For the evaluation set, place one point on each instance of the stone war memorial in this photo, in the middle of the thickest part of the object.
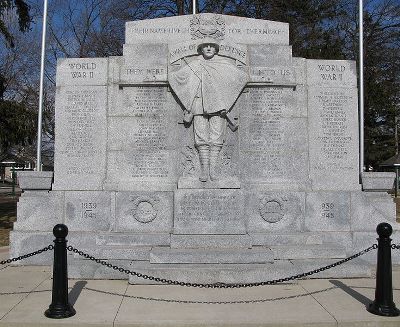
(206, 153)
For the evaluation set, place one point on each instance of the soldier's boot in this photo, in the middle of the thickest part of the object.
(214, 154)
(204, 151)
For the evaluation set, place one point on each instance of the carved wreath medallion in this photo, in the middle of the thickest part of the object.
(201, 27)
(271, 211)
(145, 209)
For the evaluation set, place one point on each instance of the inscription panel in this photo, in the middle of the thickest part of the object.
(273, 138)
(88, 211)
(150, 169)
(141, 133)
(184, 28)
(209, 212)
(271, 102)
(80, 138)
(278, 75)
(333, 138)
(142, 101)
(327, 211)
(144, 63)
(331, 73)
(82, 71)
(142, 139)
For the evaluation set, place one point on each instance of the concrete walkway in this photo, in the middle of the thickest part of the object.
(25, 293)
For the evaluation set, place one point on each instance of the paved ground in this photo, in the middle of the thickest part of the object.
(25, 293)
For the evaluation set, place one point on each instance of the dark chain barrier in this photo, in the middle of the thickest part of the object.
(395, 246)
(22, 257)
(218, 285)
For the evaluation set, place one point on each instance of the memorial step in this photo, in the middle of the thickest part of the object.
(210, 241)
(308, 251)
(208, 256)
(118, 252)
(215, 273)
(356, 268)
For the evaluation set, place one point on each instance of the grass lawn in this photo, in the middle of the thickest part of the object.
(8, 214)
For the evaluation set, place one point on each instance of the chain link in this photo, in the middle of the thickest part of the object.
(219, 285)
(395, 246)
(47, 248)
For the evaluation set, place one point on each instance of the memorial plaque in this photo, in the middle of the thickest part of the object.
(144, 212)
(151, 169)
(89, 211)
(81, 133)
(207, 137)
(143, 101)
(333, 138)
(278, 75)
(328, 211)
(139, 134)
(268, 212)
(273, 139)
(82, 71)
(209, 212)
(144, 63)
(331, 73)
(184, 28)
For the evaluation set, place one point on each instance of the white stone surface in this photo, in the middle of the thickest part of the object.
(144, 212)
(211, 256)
(273, 140)
(81, 133)
(270, 212)
(210, 241)
(39, 211)
(303, 238)
(354, 268)
(144, 63)
(139, 239)
(142, 101)
(233, 29)
(35, 180)
(333, 138)
(378, 181)
(327, 211)
(89, 211)
(313, 251)
(126, 168)
(332, 73)
(26, 242)
(221, 273)
(209, 212)
(82, 71)
(368, 209)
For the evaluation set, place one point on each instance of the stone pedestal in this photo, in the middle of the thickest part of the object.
(282, 196)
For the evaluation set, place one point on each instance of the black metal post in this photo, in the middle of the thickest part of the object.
(383, 304)
(60, 307)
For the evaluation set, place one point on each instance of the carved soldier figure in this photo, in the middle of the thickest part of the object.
(208, 87)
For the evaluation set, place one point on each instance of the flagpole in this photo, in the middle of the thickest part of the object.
(39, 129)
(194, 7)
(361, 84)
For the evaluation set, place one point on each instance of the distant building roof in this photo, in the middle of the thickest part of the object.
(11, 158)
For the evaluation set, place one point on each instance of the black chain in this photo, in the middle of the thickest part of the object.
(395, 246)
(47, 248)
(218, 285)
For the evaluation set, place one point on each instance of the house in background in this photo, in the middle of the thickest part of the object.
(10, 162)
